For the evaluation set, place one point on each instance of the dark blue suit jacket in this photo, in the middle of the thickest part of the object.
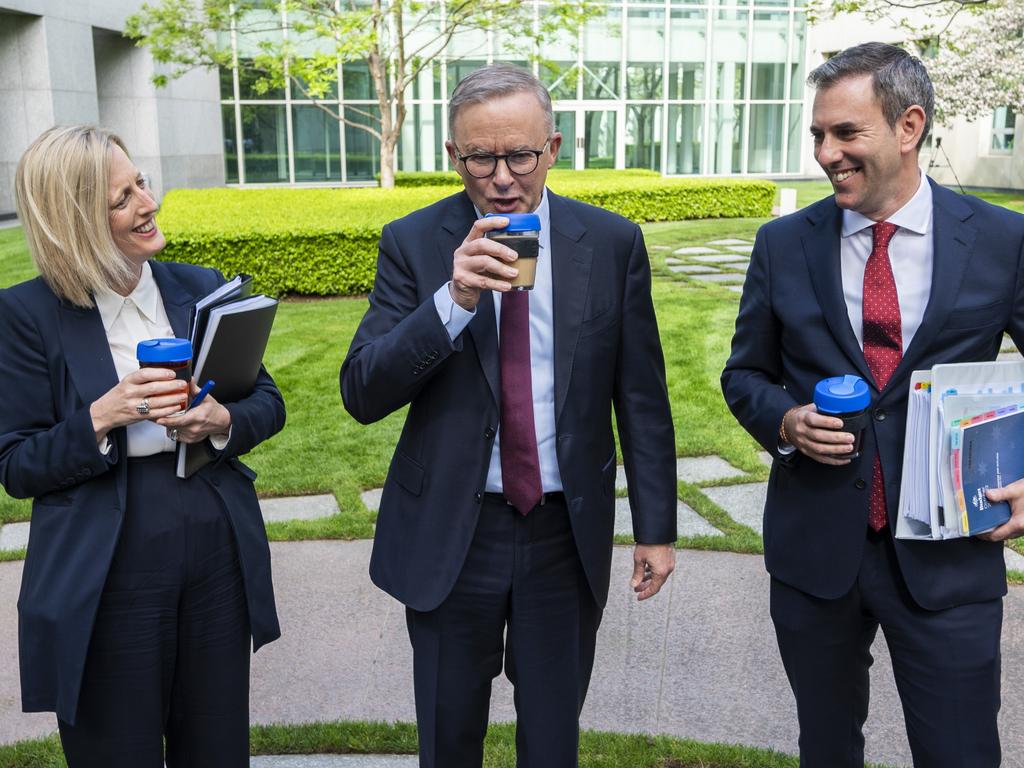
(55, 361)
(607, 352)
(793, 330)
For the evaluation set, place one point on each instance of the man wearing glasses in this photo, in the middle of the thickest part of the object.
(495, 525)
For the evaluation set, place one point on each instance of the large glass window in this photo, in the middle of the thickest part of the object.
(646, 52)
(265, 141)
(769, 52)
(602, 54)
(422, 140)
(687, 49)
(729, 52)
(796, 135)
(643, 136)
(727, 138)
(362, 149)
(230, 144)
(685, 138)
(317, 144)
(796, 57)
(356, 80)
(765, 150)
(1004, 120)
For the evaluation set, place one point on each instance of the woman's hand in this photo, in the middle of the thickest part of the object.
(157, 387)
(196, 424)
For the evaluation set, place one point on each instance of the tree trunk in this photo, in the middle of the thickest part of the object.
(387, 165)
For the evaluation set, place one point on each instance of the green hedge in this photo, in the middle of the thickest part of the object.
(324, 241)
(451, 178)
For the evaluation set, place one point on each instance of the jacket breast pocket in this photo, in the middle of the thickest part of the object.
(977, 317)
(603, 323)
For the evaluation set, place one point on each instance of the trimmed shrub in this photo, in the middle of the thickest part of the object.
(324, 241)
(451, 178)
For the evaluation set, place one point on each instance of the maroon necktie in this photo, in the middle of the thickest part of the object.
(883, 341)
(520, 465)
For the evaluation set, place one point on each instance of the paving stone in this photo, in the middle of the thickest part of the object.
(298, 508)
(1013, 559)
(1009, 356)
(729, 242)
(743, 503)
(673, 260)
(371, 498)
(721, 258)
(661, 247)
(741, 265)
(688, 522)
(14, 536)
(722, 277)
(765, 457)
(693, 469)
(334, 761)
(741, 248)
(693, 250)
(693, 269)
(734, 288)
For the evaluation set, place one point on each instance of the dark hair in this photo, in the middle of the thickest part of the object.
(493, 82)
(900, 80)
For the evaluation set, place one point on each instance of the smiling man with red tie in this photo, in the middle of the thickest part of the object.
(496, 520)
(891, 274)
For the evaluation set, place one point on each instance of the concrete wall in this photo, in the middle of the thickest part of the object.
(63, 63)
(967, 145)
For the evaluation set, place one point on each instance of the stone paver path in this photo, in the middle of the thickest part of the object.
(692, 269)
(334, 761)
(299, 508)
(14, 536)
(688, 522)
(743, 503)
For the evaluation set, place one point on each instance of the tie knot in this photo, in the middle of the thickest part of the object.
(881, 234)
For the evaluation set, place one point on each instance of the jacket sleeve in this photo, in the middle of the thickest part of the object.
(39, 452)
(400, 343)
(752, 379)
(642, 409)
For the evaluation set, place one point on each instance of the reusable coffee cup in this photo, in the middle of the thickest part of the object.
(522, 235)
(847, 398)
(174, 354)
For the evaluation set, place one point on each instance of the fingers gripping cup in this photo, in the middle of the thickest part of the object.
(522, 235)
(174, 354)
(847, 398)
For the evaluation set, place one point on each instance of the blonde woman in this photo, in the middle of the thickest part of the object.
(141, 593)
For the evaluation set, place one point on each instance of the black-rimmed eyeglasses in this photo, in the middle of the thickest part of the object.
(521, 162)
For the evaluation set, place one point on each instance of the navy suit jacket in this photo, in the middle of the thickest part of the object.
(793, 329)
(55, 362)
(606, 352)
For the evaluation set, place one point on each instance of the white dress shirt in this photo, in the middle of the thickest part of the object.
(542, 356)
(911, 253)
(128, 320)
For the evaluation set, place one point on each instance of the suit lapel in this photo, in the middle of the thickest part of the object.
(86, 351)
(822, 252)
(571, 264)
(483, 329)
(177, 300)
(953, 240)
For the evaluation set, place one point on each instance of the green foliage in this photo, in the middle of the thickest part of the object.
(324, 241)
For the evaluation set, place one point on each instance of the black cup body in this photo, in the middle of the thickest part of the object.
(854, 423)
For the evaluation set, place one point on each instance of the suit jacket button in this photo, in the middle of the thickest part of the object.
(860, 485)
(880, 415)
(489, 433)
(478, 497)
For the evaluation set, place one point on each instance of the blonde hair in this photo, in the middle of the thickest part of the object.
(60, 192)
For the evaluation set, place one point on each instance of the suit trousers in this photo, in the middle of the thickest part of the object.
(946, 664)
(522, 597)
(169, 654)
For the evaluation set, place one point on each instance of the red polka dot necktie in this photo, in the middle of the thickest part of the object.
(883, 341)
(520, 464)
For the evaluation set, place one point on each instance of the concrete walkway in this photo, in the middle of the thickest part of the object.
(699, 661)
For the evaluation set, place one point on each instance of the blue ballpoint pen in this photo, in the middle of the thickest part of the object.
(202, 393)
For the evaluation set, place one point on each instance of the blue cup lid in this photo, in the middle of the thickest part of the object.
(164, 351)
(842, 394)
(518, 222)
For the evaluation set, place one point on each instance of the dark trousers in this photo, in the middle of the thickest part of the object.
(946, 665)
(521, 597)
(169, 655)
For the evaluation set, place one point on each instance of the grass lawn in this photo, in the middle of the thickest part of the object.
(597, 749)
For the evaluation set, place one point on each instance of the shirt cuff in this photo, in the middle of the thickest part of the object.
(453, 317)
(104, 446)
(220, 442)
(785, 448)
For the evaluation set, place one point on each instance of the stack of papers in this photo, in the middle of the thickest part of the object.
(944, 405)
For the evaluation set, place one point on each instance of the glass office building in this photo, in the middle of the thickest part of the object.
(684, 88)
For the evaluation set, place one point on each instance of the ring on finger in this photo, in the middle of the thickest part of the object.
(173, 434)
(143, 407)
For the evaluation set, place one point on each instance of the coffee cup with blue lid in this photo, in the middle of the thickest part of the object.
(848, 398)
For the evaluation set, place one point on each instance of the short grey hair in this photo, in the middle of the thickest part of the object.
(493, 82)
(900, 80)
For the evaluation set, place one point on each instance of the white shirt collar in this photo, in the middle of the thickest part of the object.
(915, 216)
(145, 296)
